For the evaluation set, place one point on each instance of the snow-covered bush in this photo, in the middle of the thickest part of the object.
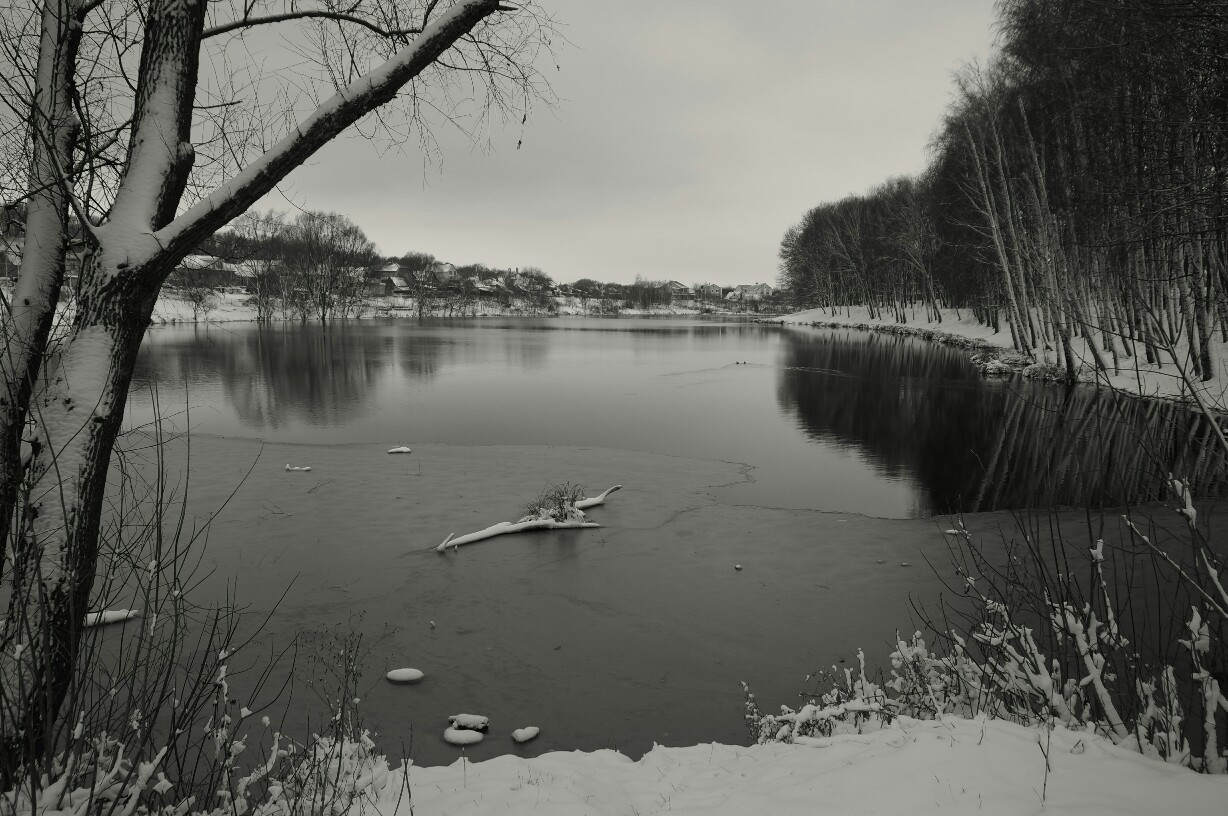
(1037, 646)
(853, 706)
(1045, 372)
(195, 757)
(102, 776)
(557, 502)
(153, 720)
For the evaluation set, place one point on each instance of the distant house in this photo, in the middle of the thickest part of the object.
(205, 271)
(11, 247)
(525, 282)
(443, 274)
(491, 287)
(250, 270)
(708, 291)
(753, 291)
(678, 291)
(386, 285)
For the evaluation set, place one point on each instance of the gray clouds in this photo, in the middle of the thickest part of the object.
(689, 135)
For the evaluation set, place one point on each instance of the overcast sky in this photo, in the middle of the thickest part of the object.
(689, 135)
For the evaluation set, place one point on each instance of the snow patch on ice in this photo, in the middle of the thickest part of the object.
(462, 736)
(525, 734)
(405, 675)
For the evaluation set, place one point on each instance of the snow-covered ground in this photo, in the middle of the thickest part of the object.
(957, 766)
(1133, 374)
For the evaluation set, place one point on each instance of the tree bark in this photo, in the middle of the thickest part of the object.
(32, 308)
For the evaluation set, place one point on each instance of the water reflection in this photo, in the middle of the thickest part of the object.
(915, 409)
(828, 419)
(289, 375)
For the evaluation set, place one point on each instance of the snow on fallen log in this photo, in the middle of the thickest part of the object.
(110, 616)
(289, 467)
(472, 722)
(400, 449)
(559, 508)
(505, 527)
(462, 736)
(598, 499)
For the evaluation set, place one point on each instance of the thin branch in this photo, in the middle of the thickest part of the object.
(251, 22)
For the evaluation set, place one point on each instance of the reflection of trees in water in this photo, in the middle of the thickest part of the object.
(318, 378)
(512, 345)
(921, 411)
(276, 375)
(419, 354)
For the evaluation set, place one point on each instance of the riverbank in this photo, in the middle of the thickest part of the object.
(172, 308)
(954, 766)
(1129, 374)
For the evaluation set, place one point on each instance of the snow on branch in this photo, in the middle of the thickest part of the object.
(248, 21)
(343, 109)
(110, 616)
(558, 508)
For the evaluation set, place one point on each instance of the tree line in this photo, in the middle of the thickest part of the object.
(321, 265)
(1076, 192)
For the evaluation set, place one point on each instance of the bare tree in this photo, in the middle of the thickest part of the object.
(146, 125)
(196, 287)
(257, 246)
(326, 255)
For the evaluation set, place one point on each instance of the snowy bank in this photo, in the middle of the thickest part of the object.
(171, 307)
(956, 766)
(1131, 375)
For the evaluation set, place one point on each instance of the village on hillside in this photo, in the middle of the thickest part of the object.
(314, 279)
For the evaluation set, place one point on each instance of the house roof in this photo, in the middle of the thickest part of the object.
(200, 262)
(673, 285)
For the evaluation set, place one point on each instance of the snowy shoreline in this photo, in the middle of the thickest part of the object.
(952, 765)
(1132, 377)
(231, 308)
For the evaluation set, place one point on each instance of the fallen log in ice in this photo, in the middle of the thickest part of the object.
(505, 527)
(567, 516)
(598, 499)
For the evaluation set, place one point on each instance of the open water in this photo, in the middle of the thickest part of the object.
(820, 461)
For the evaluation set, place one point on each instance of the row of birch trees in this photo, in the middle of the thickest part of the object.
(1076, 192)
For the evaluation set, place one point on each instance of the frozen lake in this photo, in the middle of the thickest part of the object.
(814, 458)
